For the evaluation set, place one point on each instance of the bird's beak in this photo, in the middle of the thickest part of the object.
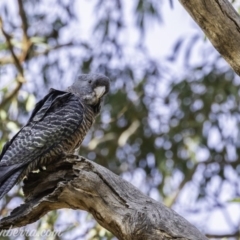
(100, 91)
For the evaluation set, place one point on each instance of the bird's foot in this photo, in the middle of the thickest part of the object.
(42, 168)
(71, 158)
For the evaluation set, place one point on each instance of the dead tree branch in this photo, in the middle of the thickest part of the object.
(20, 78)
(116, 204)
(24, 20)
(221, 24)
(26, 42)
(11, 49)
(17, 60)
(10, 60)
(225, 236)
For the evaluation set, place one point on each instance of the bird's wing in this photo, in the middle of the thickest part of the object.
(54, 119)
(44, 105)
(38, 113)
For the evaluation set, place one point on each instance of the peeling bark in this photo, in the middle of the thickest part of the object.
(117, 205)
(221, 24)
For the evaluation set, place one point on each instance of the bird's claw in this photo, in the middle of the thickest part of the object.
(71, 158)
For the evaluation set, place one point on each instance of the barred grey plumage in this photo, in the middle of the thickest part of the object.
(56, 128)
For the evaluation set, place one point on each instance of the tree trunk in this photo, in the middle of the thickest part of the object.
(221, 24)
(78, 183)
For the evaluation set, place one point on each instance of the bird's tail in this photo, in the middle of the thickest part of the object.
(8, 179)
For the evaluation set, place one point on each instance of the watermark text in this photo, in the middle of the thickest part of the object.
(16, 232)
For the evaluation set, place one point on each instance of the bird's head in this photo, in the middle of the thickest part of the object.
(90, 88)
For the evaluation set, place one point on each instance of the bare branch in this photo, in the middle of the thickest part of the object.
(116, 204)
(6, 60)
(11, 49)
(26, 43)
(24, 20)
(11, 95)
(45, 52)
(10, 60)
(20, 77)
(225, 236)
(221, 24)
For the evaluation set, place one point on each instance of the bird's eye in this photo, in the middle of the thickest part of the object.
(90, 81)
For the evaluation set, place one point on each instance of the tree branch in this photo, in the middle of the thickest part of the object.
(17, 59)
(221, 24)
(10, 60)
(11, 49)
(24, 19)
(26, 43)
(116, 204)
(11, 95)
(20, 77)
(225, 236)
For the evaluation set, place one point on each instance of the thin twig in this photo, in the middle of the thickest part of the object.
(6, 60)
(24, 20)
(36, 54)
(20, 77)
(10, 47)
(26, 42)
(11, 95)
(10, 60)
